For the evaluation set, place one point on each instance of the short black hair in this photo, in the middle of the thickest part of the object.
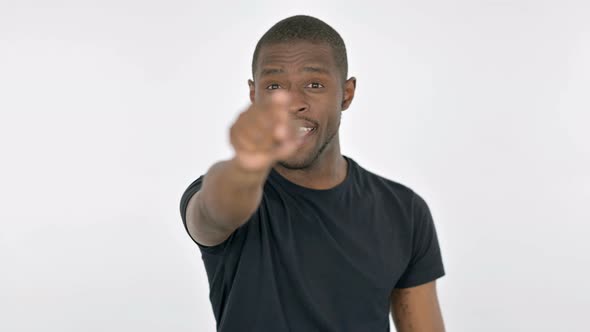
(304, 28)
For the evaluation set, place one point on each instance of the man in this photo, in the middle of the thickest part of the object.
(294, 235)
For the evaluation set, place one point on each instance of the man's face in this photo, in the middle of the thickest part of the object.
(317, 91)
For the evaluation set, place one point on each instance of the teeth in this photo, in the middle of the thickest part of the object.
(304, 130)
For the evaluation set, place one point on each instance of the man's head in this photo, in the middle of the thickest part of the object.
(307, 58)
(304, 28)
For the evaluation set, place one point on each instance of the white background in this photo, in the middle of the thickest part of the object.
(109, 109)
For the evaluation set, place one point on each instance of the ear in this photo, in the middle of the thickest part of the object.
(252, 90)
(349, 88)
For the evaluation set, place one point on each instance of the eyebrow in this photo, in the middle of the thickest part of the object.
(306, 69)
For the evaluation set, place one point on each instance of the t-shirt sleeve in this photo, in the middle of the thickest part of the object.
(192, 189)
(426, 261)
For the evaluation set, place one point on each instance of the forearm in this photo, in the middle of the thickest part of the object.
(229, 194)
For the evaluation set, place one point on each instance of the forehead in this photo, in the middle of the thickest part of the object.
(293, 55)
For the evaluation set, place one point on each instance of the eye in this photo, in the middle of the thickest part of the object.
(315, 85)
(273, 86)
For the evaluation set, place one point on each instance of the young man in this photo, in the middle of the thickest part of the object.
(294, 235)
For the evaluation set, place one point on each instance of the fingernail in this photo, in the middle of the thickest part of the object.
(281, 131)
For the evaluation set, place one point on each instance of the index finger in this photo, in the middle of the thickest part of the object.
(279, 109)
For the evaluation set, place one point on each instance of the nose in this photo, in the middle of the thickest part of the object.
(297, 101)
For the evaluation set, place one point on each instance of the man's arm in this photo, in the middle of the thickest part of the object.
(228, 196)
(416, 309)
(232, 190)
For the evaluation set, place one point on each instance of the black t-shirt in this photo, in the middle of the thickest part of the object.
(321, 260)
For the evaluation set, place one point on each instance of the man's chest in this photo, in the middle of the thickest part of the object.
(362, 248)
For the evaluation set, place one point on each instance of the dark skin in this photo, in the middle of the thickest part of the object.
(320, 95)
(416, 309)
(304, 80)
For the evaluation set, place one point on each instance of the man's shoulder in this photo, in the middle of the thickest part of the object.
(373, 180)
(388, 189)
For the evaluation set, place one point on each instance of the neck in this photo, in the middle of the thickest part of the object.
(327, 171)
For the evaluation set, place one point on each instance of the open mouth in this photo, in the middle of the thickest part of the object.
(306, 131)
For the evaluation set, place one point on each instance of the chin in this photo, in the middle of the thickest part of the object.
(297, 162)
(293, 164)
